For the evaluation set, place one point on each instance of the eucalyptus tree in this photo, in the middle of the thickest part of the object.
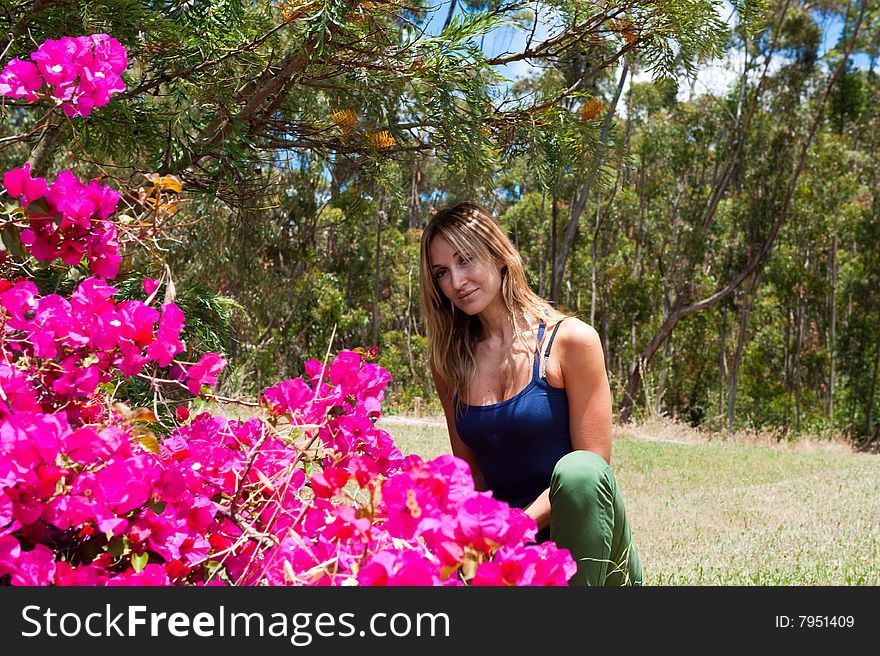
(221, 91)
(296, 126)
(808, 106)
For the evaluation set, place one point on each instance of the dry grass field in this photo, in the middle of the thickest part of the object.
(712, 509)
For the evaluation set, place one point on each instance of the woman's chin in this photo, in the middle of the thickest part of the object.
(468, 308)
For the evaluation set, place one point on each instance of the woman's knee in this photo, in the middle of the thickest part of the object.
(580, 473)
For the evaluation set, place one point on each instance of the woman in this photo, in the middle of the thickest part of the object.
(525, 393)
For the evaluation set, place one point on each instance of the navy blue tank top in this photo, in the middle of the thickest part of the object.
(519, 440)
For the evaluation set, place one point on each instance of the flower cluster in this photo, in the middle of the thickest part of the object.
(230, 502)
(81, 73)
(65, 348)
(67, 219)
(456, 534)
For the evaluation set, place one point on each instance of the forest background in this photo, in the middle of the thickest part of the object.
(283, 157)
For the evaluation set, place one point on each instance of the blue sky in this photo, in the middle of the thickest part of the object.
(713, 77)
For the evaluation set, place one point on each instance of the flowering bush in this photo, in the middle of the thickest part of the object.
(67, 219)
(307, 492)
(80, 73)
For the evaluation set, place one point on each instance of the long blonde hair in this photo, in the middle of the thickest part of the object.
(453, 335)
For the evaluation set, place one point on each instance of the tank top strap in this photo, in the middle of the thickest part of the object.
(542, 370)
(536, 365)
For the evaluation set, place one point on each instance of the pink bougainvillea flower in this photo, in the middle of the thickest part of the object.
(36, 567)
(407, 504)
(450, 552)
(103, 197)
(204, 372)
(82, 72)
(138, 321)
(167, 343)
(84, 575)
(329, 482)
(93, 296)
(87, 445)
(76, 381)
(20, 79)
(483, 522)
(19, 183)
(10, 552)
(287, 396)
(132, 360)
(103, 250)
(347, 525)
(18, 391)
(150, 286)
(153, 574)
(109, 50)
(71, 198)
(54, 59)
(182, 413)
(406, 569)
(18, 299)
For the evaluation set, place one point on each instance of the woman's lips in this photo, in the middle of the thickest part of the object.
(466, 296)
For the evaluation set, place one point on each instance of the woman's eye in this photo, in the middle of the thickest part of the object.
(439, 273)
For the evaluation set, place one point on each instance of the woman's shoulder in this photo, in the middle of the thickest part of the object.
(575, 331)
(581, 360)
(577, 336)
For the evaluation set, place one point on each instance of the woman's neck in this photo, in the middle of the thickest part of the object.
(499, 328)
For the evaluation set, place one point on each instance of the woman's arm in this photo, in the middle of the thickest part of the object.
(582, 366)
(539, 509)
(459, 448)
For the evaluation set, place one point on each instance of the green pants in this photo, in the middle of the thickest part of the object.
(587, 517)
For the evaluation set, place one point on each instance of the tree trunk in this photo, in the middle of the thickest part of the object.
(722, 363)
(260, 97)
(737, 357)
(374, 327)
(415, 202)
(739, 134)
(869, 416)
(796, 354)
(546, 246)
(661, 380)
(409, 324)
(787, 374)
(593, 257)
(643, 203)
(578, 207)
(832, 341)
(554, 221)
(450, 14)
(41, 155)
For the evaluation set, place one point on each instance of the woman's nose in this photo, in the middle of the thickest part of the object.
(458, 279)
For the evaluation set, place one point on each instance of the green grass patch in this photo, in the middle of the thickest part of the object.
(720, 513)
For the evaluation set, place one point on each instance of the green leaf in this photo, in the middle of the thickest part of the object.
(119, 547)
(10, 235)
(157, 507)
(39, 207)
(147, 438)
(211, 568)
(139, 561)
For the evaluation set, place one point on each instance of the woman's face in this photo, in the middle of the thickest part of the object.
(471, 285)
